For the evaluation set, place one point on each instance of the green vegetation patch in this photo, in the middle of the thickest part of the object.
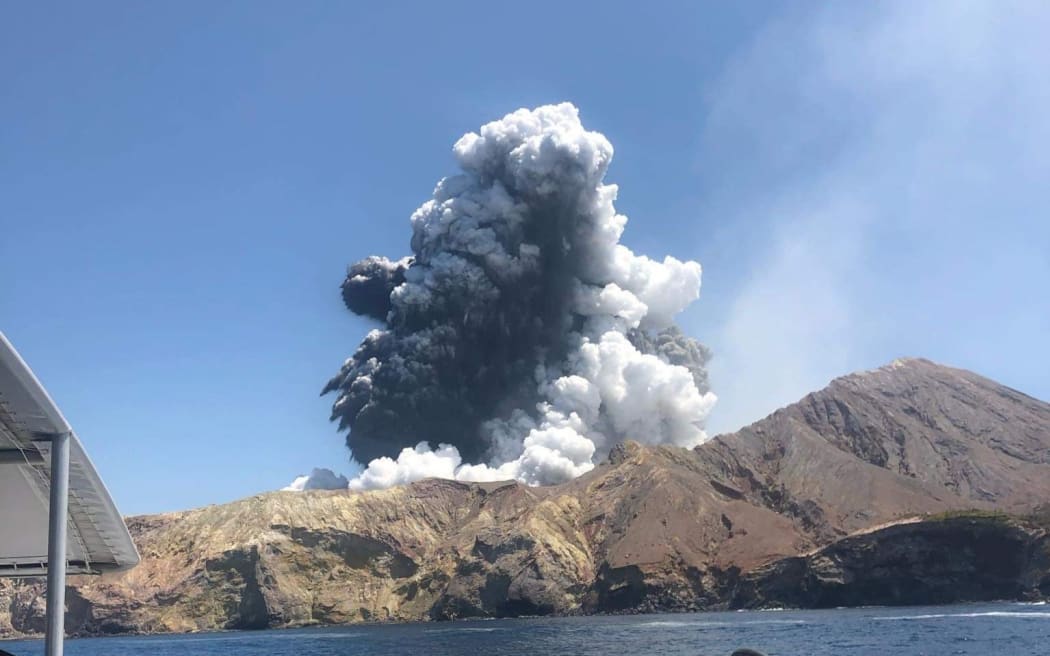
(989, 515)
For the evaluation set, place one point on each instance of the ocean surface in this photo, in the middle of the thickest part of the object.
(978, 630)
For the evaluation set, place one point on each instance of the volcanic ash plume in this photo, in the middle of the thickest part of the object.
(520, 335)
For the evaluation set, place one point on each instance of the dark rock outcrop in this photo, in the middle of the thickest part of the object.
(961, 557)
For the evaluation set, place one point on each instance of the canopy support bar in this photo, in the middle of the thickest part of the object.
(58, 519)
(20, 457)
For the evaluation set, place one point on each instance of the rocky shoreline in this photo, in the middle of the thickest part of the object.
(992, 557)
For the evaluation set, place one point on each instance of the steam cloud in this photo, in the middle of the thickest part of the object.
(520, 335)
(318, 479)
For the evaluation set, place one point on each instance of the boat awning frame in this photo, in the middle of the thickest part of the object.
(56, 515)
(98, 538)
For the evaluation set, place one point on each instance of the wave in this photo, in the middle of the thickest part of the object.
(235, 636)
(675, 625)
(464, 629)
(709, 624)
(991, 613)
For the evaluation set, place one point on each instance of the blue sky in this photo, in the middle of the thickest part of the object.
(182, 186)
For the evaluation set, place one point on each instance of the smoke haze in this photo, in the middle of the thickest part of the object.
(892, 204)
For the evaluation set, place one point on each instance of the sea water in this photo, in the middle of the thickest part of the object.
(977, 630)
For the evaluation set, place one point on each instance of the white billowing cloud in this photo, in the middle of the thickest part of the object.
(643, 396)
(318, 479)
(549, 456)
(411, 465)
(666, 288)
(901, 176)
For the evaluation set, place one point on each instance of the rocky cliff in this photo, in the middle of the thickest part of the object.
(739, 521)
(955, 557)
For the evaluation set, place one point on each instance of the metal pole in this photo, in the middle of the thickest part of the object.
(58, 514)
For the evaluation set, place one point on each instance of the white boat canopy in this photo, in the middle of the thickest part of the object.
(56, 515)
(98, 540)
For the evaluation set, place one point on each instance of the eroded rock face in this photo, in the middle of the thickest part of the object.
(653, 528)
(936, 561)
